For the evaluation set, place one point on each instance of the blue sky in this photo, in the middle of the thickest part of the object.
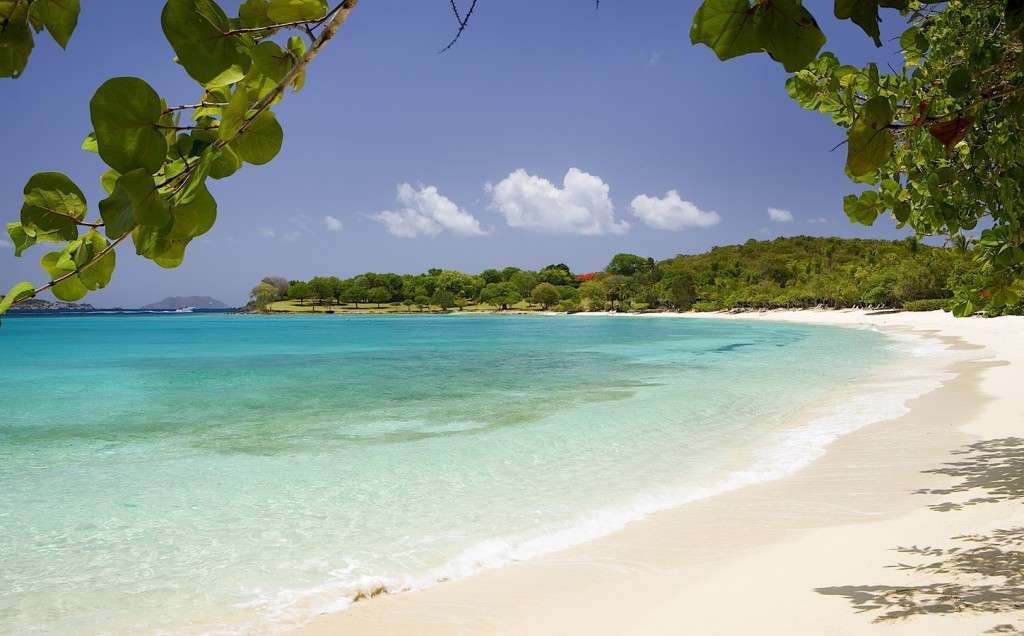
(484, 136)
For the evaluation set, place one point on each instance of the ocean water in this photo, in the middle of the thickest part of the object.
(239, 474)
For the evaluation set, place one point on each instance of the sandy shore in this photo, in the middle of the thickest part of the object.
(910, 526)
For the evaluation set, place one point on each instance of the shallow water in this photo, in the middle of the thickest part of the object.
(241, 473)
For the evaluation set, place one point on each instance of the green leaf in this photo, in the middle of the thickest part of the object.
(725, 26)
(234, 113)
(269, 66)
(135, 201)
(21, 290)
(789, 33)
(58, 264)
(124, 112)
(261, 140)
(59, 16)
(21, 239)
(195, 29)
(864, 14)
(97, 275)
(16, 40)
(253, 13)
(52, 205)
(863, 209)
(869, 141)
(226, 162)
(89, 143)
(297, 47)
(958, 83)
(281, 11)
(108, 179)
(1004, 297)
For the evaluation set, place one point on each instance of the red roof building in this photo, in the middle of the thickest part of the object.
(582, 278)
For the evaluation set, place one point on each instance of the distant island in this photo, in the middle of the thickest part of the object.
(181, 302)
(34, 305)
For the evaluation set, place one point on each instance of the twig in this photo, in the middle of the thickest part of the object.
(462, 25)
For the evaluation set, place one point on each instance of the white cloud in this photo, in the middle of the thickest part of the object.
(670, 212)
(333, 224)
(5, 243)
(425, 211)
(580, 206)
(654, 59)
(780, 216)
(300, 229)
(817, 220)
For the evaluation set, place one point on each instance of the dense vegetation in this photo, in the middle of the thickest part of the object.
(936, 139)
(801, 271)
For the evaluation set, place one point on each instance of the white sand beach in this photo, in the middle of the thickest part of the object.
(908, 526)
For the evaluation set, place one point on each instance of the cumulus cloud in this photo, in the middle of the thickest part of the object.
(670, 212)
(817, 220)
(778, 215)
(580, 206)
(425, 211)
(298, 227)
(333, 224)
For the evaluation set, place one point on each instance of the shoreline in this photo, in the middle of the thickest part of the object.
(642, 577)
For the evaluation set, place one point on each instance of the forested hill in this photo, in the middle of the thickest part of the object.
(799, 271)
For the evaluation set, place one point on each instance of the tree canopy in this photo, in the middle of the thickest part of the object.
(796, 272)
(936, 140)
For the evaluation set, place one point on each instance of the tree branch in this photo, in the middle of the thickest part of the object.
(462, 24)
(334, 19)
(95, 259)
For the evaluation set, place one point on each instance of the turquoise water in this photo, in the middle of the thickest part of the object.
(196, 473)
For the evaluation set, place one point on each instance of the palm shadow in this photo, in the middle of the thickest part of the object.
(993, 467)
(995, 556)
(981, 573)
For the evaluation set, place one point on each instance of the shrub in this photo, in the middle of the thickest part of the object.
(929, 304)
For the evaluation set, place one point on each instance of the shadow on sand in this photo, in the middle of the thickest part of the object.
(981, 573)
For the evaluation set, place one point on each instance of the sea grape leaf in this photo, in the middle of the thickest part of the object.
(253, 13)
(863, 13)
(233, 115)
(261, 140)
(135, 201)
(297, 47)
(166, 246)
(280, 11)
(269, 66)
(226, 162)
(952, 132)
(863, 209)
(16, 39)
(196, 30)
(958, 83)
(98, 274)
(125, 112)
(726, 27)
(869, 141)
(52, 205)
(21, 239)
(89, 143)
(789, 33)
(57, 265)
(17, 292)
(59, 16)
